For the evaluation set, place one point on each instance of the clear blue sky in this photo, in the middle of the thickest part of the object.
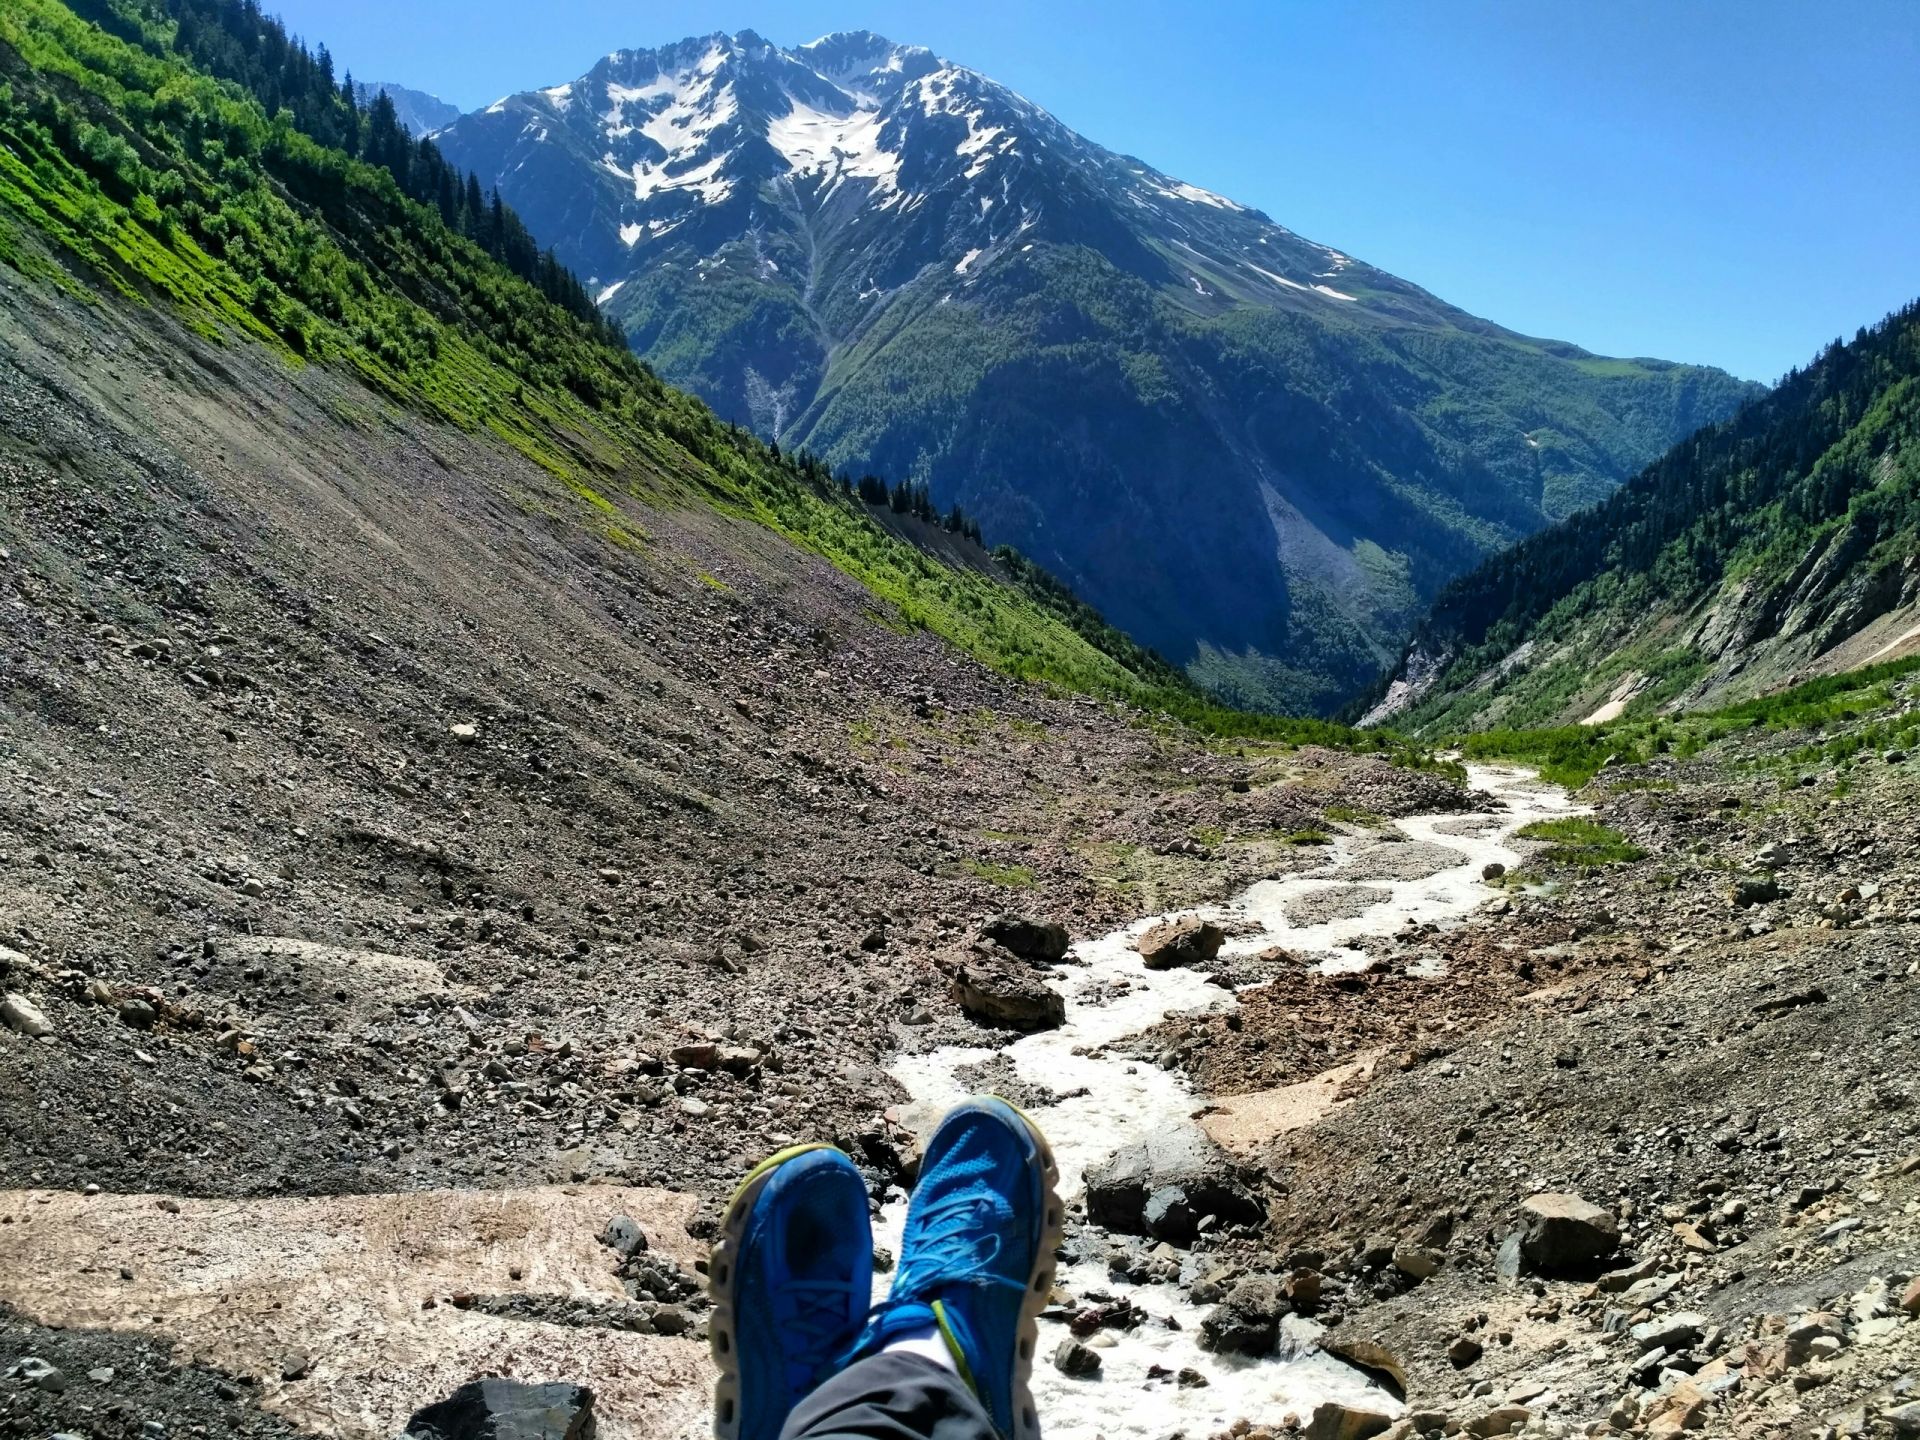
(1727, 181)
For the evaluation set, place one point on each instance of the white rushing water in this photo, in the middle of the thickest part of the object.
(1108, 1101)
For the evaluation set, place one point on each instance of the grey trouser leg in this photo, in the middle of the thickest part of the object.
(890, 1397)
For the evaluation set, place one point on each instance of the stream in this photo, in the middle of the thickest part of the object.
(1109, 1101)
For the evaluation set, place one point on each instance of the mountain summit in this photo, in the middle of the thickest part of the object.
(1252, 451)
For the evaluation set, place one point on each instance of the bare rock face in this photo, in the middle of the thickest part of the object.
(997, 988)
(1041, 941)
(1187, 941)
(1560, 1233)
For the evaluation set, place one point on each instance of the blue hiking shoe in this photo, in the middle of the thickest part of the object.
(791, 1279)
(977, 1257)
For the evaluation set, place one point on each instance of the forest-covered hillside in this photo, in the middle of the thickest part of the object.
(1779, 543)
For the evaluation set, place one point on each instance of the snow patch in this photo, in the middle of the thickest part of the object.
(816, 142)
(1277, 279)
(966, 260)
(610, 291)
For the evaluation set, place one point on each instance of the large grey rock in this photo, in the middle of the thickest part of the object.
(41, 1374)
(998, 989)
(1188, 941)
(1560, 1233)
(1247, 1322)
(496, 1409)
(1670, 1332)
(623, 1236)
(1041, 941)
(1070, 1357)
(1178, 1174)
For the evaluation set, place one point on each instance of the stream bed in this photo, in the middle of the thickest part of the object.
(1107, 1101)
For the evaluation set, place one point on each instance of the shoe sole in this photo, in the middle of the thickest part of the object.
(720, 1272)
(1026, 1419)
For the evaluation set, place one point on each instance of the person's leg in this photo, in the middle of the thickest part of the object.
(791, 1280)
(976, 1268)
(893, 1395)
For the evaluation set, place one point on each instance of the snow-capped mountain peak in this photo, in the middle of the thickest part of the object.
(849, 169)
(714, 147)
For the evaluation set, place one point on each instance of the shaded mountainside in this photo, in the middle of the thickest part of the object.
(1781, 544)
(1251, 451)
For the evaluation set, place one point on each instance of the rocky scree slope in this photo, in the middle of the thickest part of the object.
(1710, 1047)
(1253, 452)
(1782, 544)
(469, 635)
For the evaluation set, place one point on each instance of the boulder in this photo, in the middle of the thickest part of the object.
(1070, 1357)
(1678, 1331)
(1418, 1262)
(1751, 890)
(41, 1374)
(1247, 1322)
(1175, 1158)
(21, 1014)
(1170, 1216)
(496, 1409)
(1332, 1420)
(1683, 1408)
(996, 988)
(1562, 1233)
(1501, 1420)
(1188, 941)
(623, 1236)
(1040, 941)
(1805, 1332)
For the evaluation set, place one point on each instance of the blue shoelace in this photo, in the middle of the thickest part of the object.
(819, 1324)
(955, 1244)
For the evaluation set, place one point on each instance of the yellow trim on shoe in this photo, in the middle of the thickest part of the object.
(954, 1348)
(774, 1161)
